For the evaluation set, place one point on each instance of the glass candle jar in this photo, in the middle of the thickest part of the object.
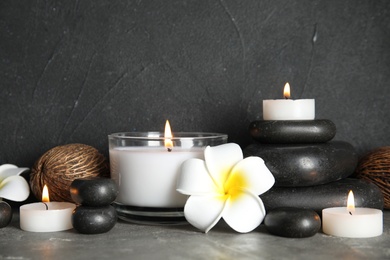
(146, 173)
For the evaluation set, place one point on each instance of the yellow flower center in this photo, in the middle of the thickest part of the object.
(233, 186)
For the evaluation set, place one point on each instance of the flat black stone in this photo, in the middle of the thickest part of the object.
(94, 220)
(291, 131)
(93, 192)
(292, 222)
(324, 196)
(296, 165)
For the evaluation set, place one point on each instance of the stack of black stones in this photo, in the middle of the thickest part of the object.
(94, 214)
(310, 169)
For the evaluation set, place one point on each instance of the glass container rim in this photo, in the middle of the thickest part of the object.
(160, 135)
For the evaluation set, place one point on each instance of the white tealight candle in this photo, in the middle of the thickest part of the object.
(288, 109)
(46, 216)
(352, 222)
(35, 217)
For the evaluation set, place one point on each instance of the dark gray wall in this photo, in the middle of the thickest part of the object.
(75, 71)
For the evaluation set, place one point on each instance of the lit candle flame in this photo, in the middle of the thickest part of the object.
(351, 202)
(167, 136)
(45, 194)
(286, 91)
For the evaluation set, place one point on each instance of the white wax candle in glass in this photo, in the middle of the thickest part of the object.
(146, 165)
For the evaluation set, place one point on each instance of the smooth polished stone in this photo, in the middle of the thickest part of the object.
(324, 196)
(5, 214)
(292, 222)
(94, 192)
(297, 165)
(94, 220)
(289, 131)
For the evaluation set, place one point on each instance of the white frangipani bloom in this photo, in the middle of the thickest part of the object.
(13, 186)
(226, 186)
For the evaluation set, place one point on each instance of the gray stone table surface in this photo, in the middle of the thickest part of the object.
(131, 241)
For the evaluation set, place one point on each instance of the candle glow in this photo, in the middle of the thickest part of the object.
(351, 202)
(45, 194)
(167, 136)
(286, 91)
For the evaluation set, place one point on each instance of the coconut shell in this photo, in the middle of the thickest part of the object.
(58, 167)
(375, 168)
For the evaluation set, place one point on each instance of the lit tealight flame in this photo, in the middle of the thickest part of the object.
(286, 91)
(351, 202)
(167, 136)
(45, 194)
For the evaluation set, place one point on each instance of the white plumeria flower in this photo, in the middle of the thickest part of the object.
(225, 186)
(12, 185)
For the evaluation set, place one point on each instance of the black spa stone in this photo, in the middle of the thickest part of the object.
(291, 131)
(5, 214)
(94, 192)
(297, 165)
(324, 196)
(292, 222)
(94, 220)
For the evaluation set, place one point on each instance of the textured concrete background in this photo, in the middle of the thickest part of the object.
(75, 71)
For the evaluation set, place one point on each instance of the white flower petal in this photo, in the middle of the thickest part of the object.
(251, 174)
(244, 212)
(4, 169)
(194, 178)
(7, 166)
(203, 212)
(14, 188)
(221, 159)
(7, 170)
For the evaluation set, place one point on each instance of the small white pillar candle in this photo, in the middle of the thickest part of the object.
(288, 109)
(364, 222)
(35, 217)
(46, 216)
(352, 222)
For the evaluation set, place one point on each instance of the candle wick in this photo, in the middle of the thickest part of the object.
(169, 149)
(47, 208)
(350, 213)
